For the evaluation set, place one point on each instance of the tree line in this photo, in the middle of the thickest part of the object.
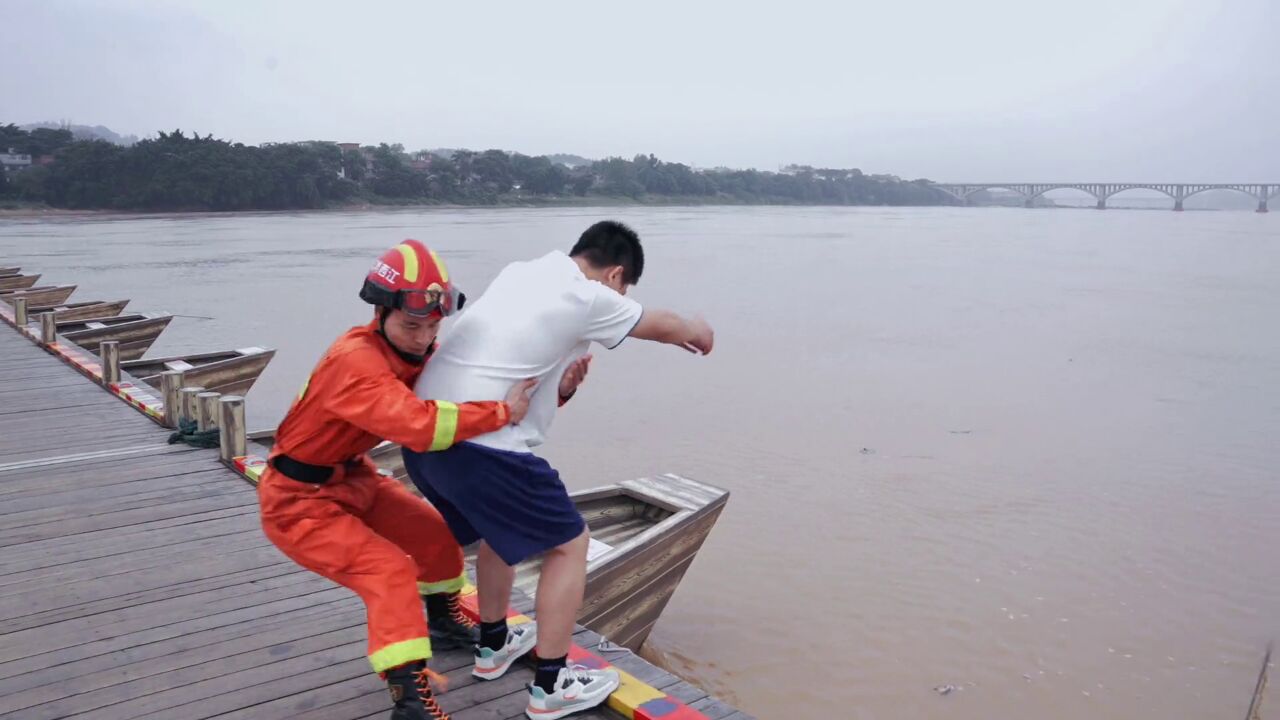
(179, 171)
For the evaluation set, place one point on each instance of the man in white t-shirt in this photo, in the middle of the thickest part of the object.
(536, 320)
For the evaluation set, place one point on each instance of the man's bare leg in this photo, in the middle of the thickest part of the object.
(560, 588)
(493, 584)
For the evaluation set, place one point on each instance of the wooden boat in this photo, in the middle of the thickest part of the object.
(81, 310)
(46, 295)
(17, 282)
(135, 333)
(9, 271)
(231, 373)
(644, 535)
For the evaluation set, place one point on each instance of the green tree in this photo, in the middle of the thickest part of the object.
(392, 177)
(12, 136)
(30, 183)
(492, 169)
(84, 175)
(47, 141)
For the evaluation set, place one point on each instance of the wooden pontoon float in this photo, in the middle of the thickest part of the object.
(80, 310)
(230, 373)
(135, 333)
(17, 282)
(644, 535)
(47, 295)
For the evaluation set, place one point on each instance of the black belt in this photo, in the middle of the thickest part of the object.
(306, 472)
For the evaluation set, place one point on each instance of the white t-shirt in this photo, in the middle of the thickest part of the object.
(533, 320)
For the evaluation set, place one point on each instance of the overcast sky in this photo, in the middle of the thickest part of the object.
(952, 90)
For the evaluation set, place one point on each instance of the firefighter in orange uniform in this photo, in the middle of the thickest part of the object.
(326, 507)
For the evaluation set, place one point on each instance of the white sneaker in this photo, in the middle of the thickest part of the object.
(492, 664)
(577, 688)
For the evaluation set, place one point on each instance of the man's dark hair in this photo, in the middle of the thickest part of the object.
(609, 243)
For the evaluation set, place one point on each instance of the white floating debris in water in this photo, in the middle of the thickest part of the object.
(1086, 693)
(1111, 650)
(1004, 609)
(1128, 655)
(1063, 620)
(1011, 616)
(1026, 677)
(945, 689)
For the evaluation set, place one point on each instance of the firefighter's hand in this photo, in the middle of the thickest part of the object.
(518, 400)
(574, 375)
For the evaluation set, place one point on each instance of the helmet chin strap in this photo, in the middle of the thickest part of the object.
(411, 358)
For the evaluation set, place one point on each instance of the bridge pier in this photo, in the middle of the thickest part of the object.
(1102, 204)
(1262, 205)
(1177, 205)
(1029, 202)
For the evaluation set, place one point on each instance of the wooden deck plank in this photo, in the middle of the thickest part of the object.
(714, 709)
(75, 473)
(37, 555)
(166, 624)
(155, 559)
(685, 692)
(289, 663)
(119, 536)
(51, 522)
(120, 487)
(130, 667)
(16, 606)
(237, 580)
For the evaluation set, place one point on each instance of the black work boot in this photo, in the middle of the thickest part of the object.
(449, 628)
(410, 687)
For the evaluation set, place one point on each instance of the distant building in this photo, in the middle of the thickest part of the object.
(13, 160)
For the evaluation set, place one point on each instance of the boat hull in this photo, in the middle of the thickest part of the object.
(51, 295)
(230, 373)
(17, 282)
(80, 311)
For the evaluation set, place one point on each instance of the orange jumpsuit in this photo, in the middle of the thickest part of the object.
(361, 529)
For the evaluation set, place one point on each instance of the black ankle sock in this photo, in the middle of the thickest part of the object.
(547, 672)
(493, 635)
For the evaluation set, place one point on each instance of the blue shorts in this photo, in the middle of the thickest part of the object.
(514, 501)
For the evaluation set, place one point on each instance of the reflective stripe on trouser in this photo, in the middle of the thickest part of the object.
(368, 533)
(452, 585)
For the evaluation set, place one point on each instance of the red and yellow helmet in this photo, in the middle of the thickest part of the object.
(412, 278)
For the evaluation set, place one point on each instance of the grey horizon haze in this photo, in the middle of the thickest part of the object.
(988, 90)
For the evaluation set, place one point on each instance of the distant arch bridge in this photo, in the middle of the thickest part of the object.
(1262, 192)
